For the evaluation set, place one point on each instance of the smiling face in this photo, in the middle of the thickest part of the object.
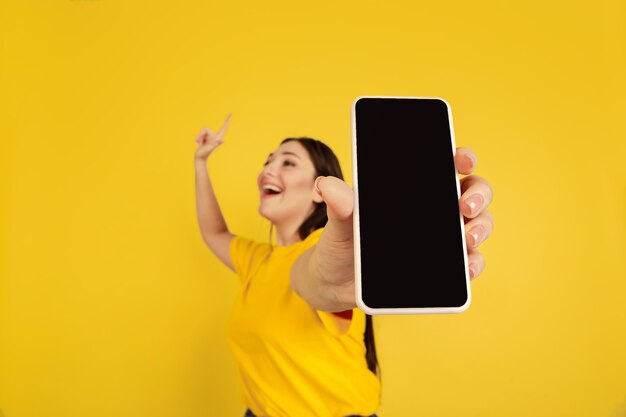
(286, 186)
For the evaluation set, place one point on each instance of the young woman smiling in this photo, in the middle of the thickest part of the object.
(301, 345)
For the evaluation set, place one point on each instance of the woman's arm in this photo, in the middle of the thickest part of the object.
(324, 275)
(210, 219)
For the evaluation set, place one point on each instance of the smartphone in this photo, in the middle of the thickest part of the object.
(409, 238)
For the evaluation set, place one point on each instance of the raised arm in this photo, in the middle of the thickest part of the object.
(210, 219)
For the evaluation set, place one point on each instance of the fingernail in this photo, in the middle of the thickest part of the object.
(474, 203)
(473, 270)
(477, 235)
(470, 161)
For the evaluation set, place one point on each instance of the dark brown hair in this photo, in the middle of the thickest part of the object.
(326, 164)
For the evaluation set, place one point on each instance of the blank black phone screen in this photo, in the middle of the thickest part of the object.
(411, 233)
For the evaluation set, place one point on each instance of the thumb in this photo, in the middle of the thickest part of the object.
(337, 195)
(339, 199)
(335, 249)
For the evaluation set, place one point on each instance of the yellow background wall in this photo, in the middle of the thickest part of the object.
(111, 305)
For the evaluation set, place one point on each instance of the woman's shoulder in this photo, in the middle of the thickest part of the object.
(243, 246)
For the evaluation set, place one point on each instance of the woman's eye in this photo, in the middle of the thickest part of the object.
(289, 163)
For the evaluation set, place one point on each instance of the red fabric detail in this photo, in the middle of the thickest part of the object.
(345, 314)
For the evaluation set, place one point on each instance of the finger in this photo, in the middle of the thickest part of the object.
(337, 195)
(202, 135)
(222, 131)
(476, 195)
(227, 120)
(339, 199)
(335, 248)
(465, 160)
(478, 229)
(476, 263)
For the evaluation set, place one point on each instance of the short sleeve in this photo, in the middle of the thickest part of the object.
(356, 328)
(245, 254)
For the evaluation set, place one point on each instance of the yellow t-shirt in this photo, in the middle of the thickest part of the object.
(293, 360)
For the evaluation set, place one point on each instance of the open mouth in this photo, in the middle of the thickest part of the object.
(269, 190)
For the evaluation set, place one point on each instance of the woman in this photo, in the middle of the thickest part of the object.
(301, 345)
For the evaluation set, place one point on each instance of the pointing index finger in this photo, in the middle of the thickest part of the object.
(221, 132)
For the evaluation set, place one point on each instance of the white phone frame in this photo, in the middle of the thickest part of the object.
(356, 229)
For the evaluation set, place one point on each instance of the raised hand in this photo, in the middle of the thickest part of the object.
(207, 140)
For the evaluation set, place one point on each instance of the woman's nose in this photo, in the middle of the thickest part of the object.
(269, 170)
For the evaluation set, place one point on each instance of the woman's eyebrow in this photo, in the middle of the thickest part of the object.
(291, 153)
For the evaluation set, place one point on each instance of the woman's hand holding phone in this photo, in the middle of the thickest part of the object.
(335, 248)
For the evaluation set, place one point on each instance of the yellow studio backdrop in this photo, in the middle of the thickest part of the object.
(111, 304)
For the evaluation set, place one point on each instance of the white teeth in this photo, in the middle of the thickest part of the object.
(272, 188)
